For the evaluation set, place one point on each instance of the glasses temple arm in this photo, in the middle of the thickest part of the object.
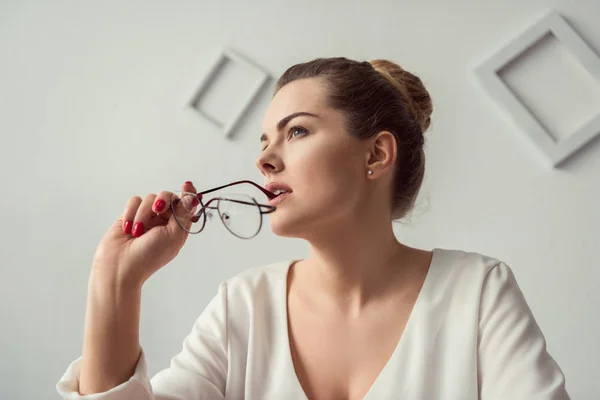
(269, 209)
(270, 195)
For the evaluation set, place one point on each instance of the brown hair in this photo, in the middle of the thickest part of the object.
(378, 96)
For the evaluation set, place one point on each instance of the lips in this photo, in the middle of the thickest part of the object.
(276, 200)
(277, 187)
(280, 189)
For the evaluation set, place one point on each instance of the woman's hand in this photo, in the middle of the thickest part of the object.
(144, 239)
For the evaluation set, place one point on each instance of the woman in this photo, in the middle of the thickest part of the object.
(364, 316)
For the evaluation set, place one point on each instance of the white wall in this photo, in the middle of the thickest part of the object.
(91, 106)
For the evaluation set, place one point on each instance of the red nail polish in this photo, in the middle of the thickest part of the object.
(128, 226)
(159, 205)
(189, 183)
(195, 202)
(138, 229)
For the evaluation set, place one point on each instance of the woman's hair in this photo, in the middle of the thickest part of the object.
(378, 96)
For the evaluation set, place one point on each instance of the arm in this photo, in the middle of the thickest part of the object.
(199, 371)
(111, 346)
(512, 356)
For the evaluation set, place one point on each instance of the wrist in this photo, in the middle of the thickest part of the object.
(111, 279)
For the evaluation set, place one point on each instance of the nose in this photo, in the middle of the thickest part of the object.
(269, 163)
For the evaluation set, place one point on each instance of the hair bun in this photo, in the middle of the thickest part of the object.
(417, 97)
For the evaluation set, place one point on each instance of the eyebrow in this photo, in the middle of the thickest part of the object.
(281, 124)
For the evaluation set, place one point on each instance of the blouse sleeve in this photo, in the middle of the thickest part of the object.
(198, 371)
(512, 358)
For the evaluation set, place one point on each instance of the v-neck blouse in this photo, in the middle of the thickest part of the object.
(470, 335)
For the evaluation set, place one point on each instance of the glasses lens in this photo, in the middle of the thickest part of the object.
(240, 214)
(188, 211)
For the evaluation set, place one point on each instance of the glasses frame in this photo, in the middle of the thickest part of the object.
(201, 213)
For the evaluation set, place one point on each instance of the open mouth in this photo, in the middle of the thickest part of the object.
(280, 190)
(281, 195)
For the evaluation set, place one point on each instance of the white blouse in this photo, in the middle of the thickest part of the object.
(471, 335)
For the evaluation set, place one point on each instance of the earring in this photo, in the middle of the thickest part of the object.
(369, 172)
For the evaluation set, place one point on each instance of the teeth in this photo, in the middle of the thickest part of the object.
(280, 191)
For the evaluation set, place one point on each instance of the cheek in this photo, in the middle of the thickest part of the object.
(329, 174)
(325, 184)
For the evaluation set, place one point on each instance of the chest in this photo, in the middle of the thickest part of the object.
(337, 357)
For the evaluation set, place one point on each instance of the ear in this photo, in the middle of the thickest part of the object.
(381, 154)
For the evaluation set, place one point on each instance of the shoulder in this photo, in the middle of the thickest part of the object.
(257, 285)
(267, 274)
(467, 286)
(463, 263)
(254, 299)
(461, 259)
(461, 274)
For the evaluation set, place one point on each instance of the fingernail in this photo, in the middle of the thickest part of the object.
(138, 229)
(159, 205)
(128, 226)
(195, 202)
(189, 183)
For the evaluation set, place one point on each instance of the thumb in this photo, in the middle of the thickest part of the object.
(185, 210)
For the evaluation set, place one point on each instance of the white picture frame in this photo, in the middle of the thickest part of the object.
(227, 54)
(556, 151)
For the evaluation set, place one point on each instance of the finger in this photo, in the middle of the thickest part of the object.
(129, 214)
(156, 220)
(161, 209)
(184, 206)
(143, 215)
(161, 205)
(189, 187)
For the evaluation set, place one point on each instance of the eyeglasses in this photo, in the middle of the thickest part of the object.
(241, 214)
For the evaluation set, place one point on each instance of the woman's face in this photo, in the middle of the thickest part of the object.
(307, 150)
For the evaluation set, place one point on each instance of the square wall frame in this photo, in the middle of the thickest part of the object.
(556, 151)
(228, 55)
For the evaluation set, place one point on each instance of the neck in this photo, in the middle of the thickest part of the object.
(355, 263)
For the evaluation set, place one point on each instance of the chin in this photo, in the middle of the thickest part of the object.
(287, 226)
(305, 221)
(283, 228)
(299, 226)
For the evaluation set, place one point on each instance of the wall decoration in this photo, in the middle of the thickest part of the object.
(236, 98)
(555, 150)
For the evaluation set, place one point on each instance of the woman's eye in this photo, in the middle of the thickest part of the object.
(297, 131)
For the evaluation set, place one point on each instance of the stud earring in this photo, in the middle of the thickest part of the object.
(369, 172)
